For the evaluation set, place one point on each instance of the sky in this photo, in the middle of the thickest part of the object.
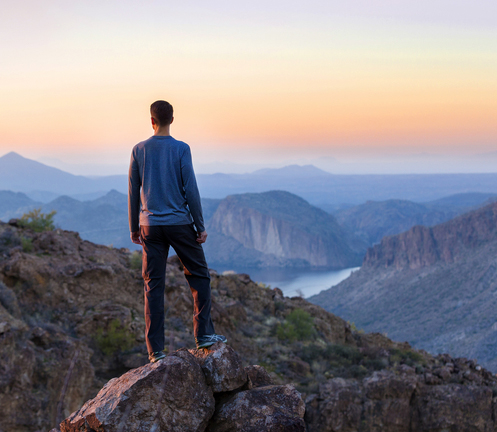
(355, 86)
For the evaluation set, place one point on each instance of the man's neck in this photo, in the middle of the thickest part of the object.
(162, 131)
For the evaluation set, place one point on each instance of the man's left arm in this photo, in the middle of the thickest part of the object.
(192, 194)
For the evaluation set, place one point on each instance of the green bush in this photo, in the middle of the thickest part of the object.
(408, 357)
(115, 339)
(135, 260)
(339, 360)
(27, 244)
(298, 326)
(38, 221)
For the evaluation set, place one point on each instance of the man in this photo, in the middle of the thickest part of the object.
(162, 168)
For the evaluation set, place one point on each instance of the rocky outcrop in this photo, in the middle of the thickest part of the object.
(406, 400)
(281, 229)
(446, 243)
(170, 395)
(176, 394)
(270, 408)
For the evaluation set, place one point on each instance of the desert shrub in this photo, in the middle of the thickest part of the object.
(27, 244)
(135, 260)
(408, 357)
(115, 339)
(354, 328)
(341, 360)
(38, 221)
(298, 326)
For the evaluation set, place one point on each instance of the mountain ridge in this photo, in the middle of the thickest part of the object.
(434, 287)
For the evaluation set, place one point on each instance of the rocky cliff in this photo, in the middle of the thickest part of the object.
(71, 319)
(374, 220)
(434, 287)
(279, 227)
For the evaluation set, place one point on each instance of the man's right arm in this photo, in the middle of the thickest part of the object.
(134, 184)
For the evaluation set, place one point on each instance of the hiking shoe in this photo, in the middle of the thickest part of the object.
(208, 340)
(156, 356)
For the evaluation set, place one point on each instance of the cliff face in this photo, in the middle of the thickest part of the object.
(284, 226)
(445, 243)
(71, 318)
(434, 287)
(374, 220)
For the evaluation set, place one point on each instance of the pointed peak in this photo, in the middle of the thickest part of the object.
(12, 156)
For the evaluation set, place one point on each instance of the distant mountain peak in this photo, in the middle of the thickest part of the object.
(12, 156)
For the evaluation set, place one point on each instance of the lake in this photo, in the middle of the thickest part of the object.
(294, 282)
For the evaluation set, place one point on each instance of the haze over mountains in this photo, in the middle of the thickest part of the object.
(319, 188)
(250, 228)
(434, 287)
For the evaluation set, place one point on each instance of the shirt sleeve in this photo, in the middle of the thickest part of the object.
(191, 190)
(134, 184)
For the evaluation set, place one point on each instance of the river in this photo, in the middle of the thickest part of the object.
(294, 282)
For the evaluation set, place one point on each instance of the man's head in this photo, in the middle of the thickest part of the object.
(162, 113)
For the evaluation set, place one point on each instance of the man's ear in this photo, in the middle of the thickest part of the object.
(172, 119)
(153, 121)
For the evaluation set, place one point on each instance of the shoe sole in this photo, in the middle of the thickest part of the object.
(208, 344)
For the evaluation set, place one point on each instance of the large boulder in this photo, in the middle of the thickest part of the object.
(262, 409)
(222, 367)
(170, 395)
(338, 407)
(258, 376)
(453, 407)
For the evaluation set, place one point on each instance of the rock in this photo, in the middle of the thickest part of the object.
(40, 386)
(244, 278)
(222, 367)
(452, 407)
(340, 407)
(388, 407)
(4, 327)
(258, 376)
(263, 409)
(171, 395)
(443, 373)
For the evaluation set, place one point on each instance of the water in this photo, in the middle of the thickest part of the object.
(294, 282)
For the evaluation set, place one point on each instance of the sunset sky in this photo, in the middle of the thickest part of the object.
(259, 83)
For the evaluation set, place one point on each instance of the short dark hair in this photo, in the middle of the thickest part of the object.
(162, 112)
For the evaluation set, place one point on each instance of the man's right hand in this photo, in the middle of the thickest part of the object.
(136, 238)
(202, 237)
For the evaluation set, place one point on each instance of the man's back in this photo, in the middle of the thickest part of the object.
(162, 166)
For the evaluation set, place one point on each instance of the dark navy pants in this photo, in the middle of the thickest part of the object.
(156, 243)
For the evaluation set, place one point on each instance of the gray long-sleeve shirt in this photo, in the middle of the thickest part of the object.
(162, 167)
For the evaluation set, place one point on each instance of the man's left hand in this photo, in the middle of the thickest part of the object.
(202, 237)
(136, 238)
